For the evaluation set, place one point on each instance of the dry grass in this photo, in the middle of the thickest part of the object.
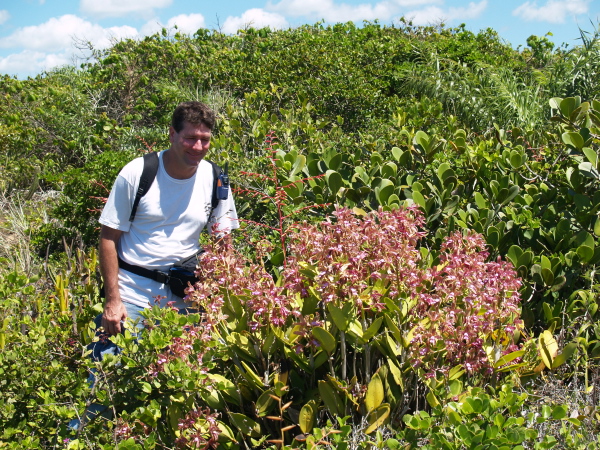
(17, 218)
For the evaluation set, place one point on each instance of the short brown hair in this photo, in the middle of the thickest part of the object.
(195, 113)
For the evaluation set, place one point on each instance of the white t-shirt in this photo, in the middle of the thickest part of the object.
(166, 227)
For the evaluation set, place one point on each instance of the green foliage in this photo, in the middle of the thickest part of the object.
(78, 208)
(477, 136)
(40, 365)
(501, 418)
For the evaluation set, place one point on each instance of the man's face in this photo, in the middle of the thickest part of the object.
(190, 145)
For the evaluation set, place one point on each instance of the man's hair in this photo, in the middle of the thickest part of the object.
(195, 113)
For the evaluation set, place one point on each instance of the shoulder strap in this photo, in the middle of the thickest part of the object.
(146, 180)
(216, 172)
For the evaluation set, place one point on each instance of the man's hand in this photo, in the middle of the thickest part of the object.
(114, 313)
(114, 309)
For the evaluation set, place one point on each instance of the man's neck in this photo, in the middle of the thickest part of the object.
(175, 171)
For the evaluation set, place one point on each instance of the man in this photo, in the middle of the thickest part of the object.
(168, 220)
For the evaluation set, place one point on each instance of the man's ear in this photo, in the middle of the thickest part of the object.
(171, 133)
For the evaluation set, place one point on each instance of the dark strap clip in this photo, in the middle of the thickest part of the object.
(161, 277)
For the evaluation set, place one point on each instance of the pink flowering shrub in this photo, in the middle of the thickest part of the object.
(450, 312)
(468, 300)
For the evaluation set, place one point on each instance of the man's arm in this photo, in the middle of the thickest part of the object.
(114, 309)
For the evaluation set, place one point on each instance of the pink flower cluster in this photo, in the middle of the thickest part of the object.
(137, 430)
(198, 429)
(226, 275)
(466, 302)
(357, 259)
(373, 261)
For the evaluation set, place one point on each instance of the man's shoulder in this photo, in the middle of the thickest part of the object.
(133, 169)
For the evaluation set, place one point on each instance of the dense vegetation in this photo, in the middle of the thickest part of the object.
(416, 265)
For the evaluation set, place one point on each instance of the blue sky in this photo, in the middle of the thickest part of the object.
(36, 35)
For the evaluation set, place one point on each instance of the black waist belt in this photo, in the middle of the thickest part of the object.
(155, 275)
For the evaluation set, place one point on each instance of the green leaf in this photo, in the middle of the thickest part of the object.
(597, 226)
(340, 316)
(548, 348)
(389, 170)
(335, 162)
(476, 404)
(568, 105)
(565, 355)
(396, 373)
(517, 159)
(432, 400)
(245, 424)
(588, 170)
(373, 329)
(584, 238)
(331, 399)
(480, 201)
(573, 139)
(277, 258)
(513, 191)
(377, 418)
(559, 412)
(513, 254)
(325, 338)
(251, 376)
(547, 276)
(393, 200)
(264, 403)
(455, 388)
(419, 199)
(591, 155)
(334, 181)
(374, 396)
(392, 327)
(555, 102)
(508, 358)
(585, 253)
(128, 444)
(384, 190)
(422, 139)
(306, 419)
(299, 164)
(456, 372)
(574, 177)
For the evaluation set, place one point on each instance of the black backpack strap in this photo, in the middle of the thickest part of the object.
(216, 172)
(146, 180)
(155, 275)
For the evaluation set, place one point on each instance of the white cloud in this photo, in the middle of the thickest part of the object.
(330, 11)
(409, 3)
(256, 18)
(151, 27)
(345, 13)
(4, 16)
(57, 34)
(187, 23)
(120, 8)
(553, 11)
(433, 14)
(30, 63)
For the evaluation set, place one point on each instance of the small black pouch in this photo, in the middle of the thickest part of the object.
(184, 272)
